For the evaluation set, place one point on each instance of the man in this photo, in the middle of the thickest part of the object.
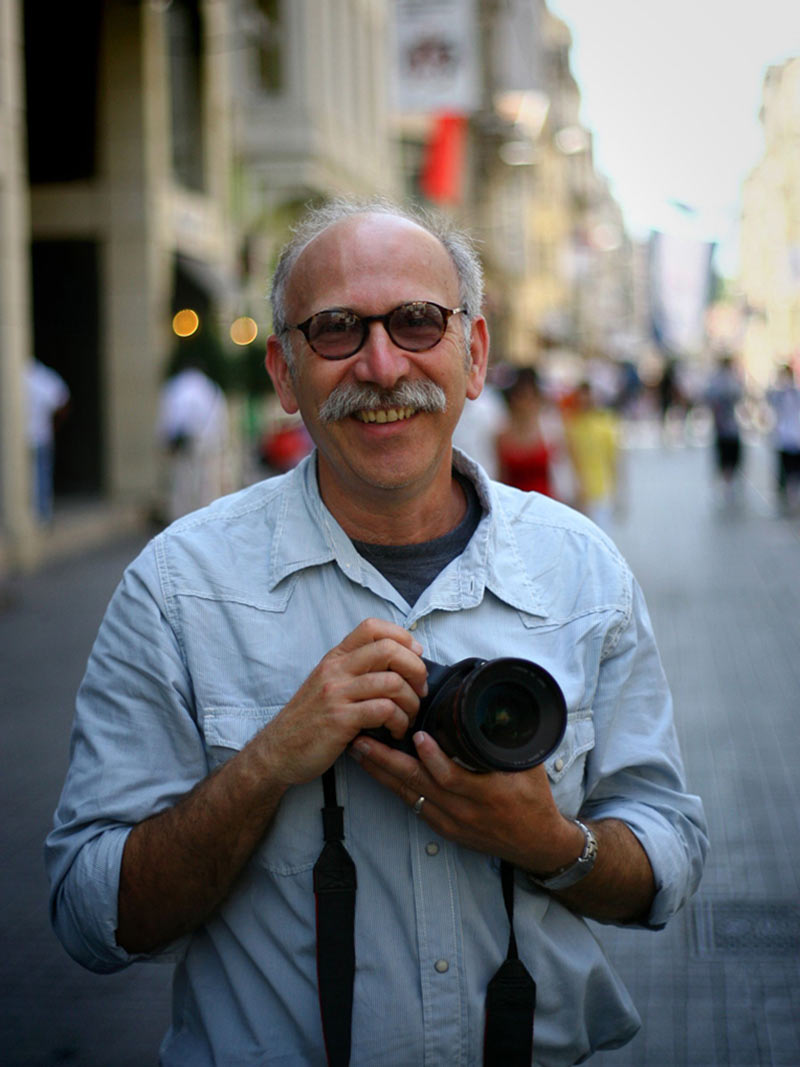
(380, 547)
(724, 393)
(784, 401)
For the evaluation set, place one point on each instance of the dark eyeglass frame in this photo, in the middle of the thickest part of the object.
(365, 321)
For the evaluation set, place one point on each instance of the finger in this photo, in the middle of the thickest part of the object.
(443, 770)
(398, 771)
(384, 685)
(373, 714)
(386, 654)
(371, 630)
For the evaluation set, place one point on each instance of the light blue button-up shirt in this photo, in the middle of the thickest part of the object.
(212, 630)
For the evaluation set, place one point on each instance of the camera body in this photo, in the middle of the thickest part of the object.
(503, 714)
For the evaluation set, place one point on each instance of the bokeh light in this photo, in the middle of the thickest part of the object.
(185, 322)
(244, 330)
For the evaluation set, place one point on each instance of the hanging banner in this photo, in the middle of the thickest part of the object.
(680, 286)
(436, 59)
(442, 176)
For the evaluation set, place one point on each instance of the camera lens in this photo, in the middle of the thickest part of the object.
(506, 715)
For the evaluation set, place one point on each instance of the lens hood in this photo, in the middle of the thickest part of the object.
(503, 714)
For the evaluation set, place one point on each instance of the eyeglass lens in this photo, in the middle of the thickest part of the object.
(339, 333)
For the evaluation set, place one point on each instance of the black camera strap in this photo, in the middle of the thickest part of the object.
(510, 995)
(510, 998)
(335, 891)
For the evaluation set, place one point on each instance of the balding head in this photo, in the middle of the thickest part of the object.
(456, 243)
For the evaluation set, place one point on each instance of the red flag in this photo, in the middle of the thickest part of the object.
(443, 171)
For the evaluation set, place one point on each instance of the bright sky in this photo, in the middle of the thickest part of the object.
(671, 90)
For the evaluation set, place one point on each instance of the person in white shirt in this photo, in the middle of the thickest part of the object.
(477, 429)
(48, 399)
(193, 428)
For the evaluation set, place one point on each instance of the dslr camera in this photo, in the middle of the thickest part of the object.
(501, 714)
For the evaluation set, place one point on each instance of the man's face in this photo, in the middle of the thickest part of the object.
(371, 264)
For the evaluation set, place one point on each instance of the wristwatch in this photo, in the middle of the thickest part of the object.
(579, 869)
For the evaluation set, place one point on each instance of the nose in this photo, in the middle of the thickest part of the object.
(380, 361)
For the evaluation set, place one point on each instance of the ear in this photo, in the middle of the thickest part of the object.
(479, 354)
(278, 370)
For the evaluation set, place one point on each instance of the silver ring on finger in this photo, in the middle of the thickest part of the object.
(417, 806)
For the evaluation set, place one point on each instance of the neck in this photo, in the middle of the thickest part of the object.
(396, 515)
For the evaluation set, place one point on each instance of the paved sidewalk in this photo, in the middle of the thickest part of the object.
(53, 1011)
(719, 987)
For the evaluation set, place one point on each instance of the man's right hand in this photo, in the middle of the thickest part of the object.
(374, 677)
(179, 865)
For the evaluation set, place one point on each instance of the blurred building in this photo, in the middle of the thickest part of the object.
(122, 167)
(521, 175)
(155, 152)
(310, 99)
(769, 277)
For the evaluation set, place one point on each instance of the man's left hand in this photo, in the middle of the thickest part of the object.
(508, 814)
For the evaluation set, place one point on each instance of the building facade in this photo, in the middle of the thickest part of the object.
(155, 153)
(769, 278)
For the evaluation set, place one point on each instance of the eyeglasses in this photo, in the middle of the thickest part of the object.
(338, 332)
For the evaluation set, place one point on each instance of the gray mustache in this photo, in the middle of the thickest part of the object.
(348, 398)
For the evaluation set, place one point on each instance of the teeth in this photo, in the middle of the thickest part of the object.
(385, 414)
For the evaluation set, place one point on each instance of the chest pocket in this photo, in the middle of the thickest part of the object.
(565, 768)
(293, 842)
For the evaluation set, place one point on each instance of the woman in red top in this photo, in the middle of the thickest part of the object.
(525, 448)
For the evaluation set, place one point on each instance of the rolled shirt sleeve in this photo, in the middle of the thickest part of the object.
(135, 749)
(635, 771)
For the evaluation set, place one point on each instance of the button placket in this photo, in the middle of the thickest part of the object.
(438, 933)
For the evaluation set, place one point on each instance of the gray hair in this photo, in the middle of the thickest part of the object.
(456, 242)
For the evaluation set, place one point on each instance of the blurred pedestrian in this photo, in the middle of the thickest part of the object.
(593, 434)
(477, 429)
(193, 430)
(283, 446)
(531, 447)
(784, 400)
(724, 392)
(48, 398)
(672, 400)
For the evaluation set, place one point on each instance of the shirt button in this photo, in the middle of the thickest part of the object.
(432, 848)
(413, 626)
(442, 966)
(559, 764)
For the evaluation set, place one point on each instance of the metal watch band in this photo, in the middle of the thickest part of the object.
(577, 870)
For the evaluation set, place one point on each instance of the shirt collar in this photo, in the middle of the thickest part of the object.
(494, 555)
(307, 535)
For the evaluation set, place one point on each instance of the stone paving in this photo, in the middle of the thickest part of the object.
(719, 987)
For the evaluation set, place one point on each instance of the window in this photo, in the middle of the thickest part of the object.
(271, 47)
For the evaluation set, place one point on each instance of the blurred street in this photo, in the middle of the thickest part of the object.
(721, 986)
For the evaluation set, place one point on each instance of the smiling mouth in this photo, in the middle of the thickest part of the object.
(384, 414)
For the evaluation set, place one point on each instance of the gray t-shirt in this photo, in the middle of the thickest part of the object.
(412, 568)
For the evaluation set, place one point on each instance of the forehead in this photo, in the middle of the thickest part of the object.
(370, 263)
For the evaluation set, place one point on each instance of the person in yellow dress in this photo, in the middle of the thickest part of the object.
(593, 435)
